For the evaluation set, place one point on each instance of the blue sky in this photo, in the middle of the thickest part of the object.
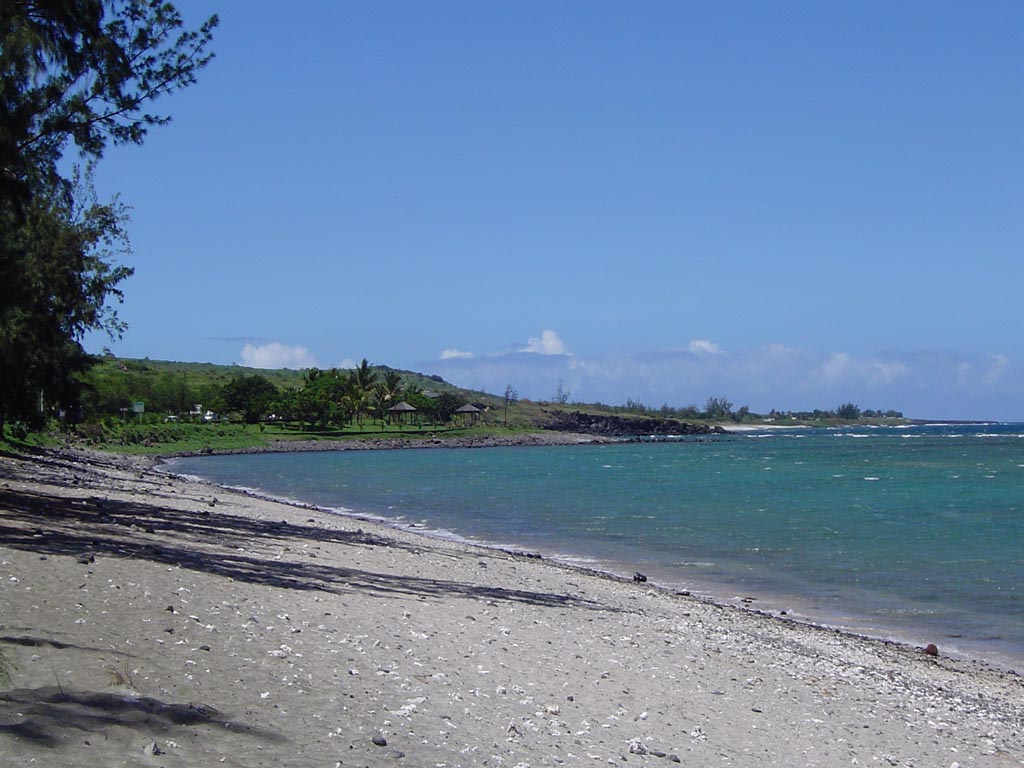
(788, 204)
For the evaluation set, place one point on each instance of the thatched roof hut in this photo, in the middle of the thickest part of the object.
(468, 411)
(401, 410)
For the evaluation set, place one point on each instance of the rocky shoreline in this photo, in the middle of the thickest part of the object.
(610, 425)
(562, 428)
(399, 443)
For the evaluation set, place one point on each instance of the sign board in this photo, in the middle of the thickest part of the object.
(138, 407)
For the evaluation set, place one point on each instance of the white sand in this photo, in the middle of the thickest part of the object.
(252, 633)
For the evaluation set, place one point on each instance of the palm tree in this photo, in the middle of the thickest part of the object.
(387, 392)
(358, 389)
(365, 377)
(392, 384)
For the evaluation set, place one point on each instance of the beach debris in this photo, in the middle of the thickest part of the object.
(931, 649)
(639, 577)
(153, 749)
(86, 558)
(380, 741)
(637, 747)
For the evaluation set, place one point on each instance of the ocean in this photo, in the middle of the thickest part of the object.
(911, 533)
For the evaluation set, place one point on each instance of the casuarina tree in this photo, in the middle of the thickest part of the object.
(75, 75)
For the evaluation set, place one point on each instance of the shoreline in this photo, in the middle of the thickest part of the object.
(788, 607)
(399, 443)
(853, 616)
(263, 633)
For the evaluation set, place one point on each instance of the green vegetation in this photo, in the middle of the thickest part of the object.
(147, 406)
(81, 73)
(155, 406)
(719, 409)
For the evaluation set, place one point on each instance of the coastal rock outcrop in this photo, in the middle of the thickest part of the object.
(623, 426)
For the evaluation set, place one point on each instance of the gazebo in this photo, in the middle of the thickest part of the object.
(470, 412)
(401, 410)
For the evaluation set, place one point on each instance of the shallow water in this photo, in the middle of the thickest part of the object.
(915, 533)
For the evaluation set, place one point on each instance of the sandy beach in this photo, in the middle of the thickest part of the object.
(155, 621)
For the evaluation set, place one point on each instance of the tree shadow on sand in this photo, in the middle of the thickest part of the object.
(216, 543)
(29, 641)
(36, 714)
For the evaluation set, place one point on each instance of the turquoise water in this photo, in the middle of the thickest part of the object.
(915, 533)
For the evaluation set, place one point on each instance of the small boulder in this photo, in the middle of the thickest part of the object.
(637, 747)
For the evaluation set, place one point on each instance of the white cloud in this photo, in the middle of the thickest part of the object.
(704, 347)
(998, 366)
(841, 369)
(347, 364)
(547, 343)
(277, 355)
(981, 373)
(921, 384)
(456, 354)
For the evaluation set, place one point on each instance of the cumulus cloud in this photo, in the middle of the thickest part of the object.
(455, 354)
(276, 355)
(547, 343)
(704, 347)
